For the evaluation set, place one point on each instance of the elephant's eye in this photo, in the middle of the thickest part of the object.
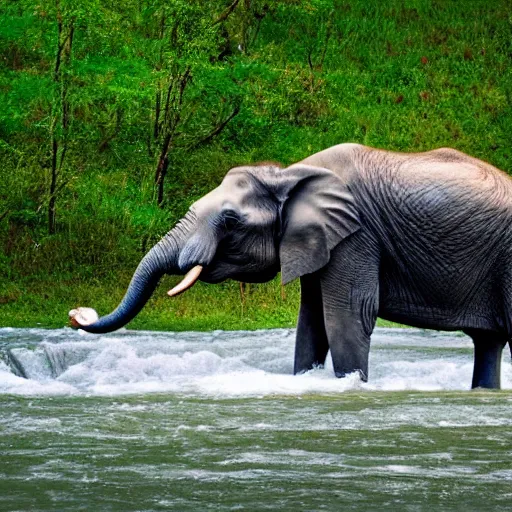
(231, 219)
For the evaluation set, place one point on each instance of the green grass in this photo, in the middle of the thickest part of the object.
(203, 308)
(403, 75)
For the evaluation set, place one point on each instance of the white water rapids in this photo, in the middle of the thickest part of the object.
(216, 421)
(222, 364)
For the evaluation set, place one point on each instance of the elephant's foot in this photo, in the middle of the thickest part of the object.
(82, 316)
(348, 342)
(308, 357)
(350, 348)
(487, 367)
(341, 374)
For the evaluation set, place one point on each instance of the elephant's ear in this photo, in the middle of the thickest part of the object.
(318, 212)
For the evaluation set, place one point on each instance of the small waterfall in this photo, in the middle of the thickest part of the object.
(58, 357)
(14, 363)
(30, 364)
(46, 361)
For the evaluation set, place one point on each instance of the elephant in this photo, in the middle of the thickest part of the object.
(423, 239)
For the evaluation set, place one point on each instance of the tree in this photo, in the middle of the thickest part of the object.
(241, 22)
(194, 96)
(61, 107)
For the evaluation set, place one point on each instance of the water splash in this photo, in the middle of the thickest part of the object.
(230, 364)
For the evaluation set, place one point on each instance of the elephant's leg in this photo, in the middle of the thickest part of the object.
(350, 296)
(311, 344)
(487, 367)
(349, 343)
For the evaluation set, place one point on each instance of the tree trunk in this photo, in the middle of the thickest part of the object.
(53, 187)
(161, 169)
(61, 112)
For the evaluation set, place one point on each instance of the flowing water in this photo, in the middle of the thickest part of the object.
(216, 421)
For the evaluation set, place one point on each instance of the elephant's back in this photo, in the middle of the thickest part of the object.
(437, 193)
(437, 168)
(443, 221)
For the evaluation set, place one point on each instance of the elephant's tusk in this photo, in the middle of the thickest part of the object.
(189, 279)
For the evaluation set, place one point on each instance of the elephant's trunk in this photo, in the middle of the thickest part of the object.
(161, 259)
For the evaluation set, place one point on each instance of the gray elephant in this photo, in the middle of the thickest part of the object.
(424, 239)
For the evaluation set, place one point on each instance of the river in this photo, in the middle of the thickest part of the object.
(215, 421)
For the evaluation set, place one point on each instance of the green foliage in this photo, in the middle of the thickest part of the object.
(290, 77)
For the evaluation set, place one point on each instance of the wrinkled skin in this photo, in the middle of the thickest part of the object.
(422, 239)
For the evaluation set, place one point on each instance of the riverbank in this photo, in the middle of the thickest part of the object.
(80, 201)
(226, 306)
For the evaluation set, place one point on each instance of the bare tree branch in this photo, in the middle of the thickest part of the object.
(224, 16)
(328, 33)
(217, 130)
(65, 32)
(168, 101)
(156, 126)
(107, 139)
(2, 217)
(183, 83)
(310, 59)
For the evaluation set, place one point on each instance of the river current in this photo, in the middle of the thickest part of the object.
(197, 421)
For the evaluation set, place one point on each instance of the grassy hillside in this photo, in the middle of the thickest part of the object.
(83, 126)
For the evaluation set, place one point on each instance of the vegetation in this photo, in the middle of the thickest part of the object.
(117, 115)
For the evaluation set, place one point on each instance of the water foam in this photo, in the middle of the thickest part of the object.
(223, 364)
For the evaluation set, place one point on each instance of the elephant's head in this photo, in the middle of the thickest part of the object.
(261, 219)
